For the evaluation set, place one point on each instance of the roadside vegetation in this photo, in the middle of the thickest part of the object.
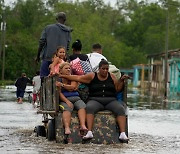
(127, 32)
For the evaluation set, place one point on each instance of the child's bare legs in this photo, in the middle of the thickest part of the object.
(34, 98)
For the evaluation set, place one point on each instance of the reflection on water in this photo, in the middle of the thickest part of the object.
(145, 99)
(153, 127)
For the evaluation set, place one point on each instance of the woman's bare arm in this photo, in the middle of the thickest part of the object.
(119, 84)
(54, 63)
(115, 81)
(70, 87)
(79, 78)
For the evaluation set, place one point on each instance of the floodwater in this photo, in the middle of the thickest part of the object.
(154, 127)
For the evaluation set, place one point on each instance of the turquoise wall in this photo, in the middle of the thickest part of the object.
(174, 76)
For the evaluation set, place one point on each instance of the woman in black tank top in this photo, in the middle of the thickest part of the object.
(103, 87)
(98, 88)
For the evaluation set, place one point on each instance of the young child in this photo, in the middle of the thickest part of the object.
(36, 82)
(59, 57)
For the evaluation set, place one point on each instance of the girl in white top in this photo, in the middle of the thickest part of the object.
(36, 82)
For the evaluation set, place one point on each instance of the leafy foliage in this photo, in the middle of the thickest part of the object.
(127, 32)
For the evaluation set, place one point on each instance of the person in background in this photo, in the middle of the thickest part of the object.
(103, 87)
(70, 100)
(76, 49)
(96, 56)
(84, 67)
(59, 57)
(53, 35)
(36, 82)
(21, 84)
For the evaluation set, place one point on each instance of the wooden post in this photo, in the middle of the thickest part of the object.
(125, 91)
(142, 76)
(2, 48)
(166, 54)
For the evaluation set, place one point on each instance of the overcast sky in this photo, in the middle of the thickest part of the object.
(112, 2)
(106, 1)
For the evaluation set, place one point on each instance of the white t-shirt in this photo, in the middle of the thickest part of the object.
(37, 83)
(114, 70)
(95, 59)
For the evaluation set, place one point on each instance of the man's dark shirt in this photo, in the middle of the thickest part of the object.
(82, 57)
(21, 83)
(53, 35)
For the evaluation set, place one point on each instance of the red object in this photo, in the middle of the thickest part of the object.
(76, 67)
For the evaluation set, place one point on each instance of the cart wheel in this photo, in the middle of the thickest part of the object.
(40, 131)
(51, 134)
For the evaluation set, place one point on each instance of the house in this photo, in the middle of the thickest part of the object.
(140, 75)
(128, 72)
(157, 68)
(174, 76)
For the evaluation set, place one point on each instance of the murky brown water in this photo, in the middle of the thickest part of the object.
(151, 129)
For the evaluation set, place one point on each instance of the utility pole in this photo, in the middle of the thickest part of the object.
(166, 54)
(3, 49)
(1, 43)
(3, 32)
(1, 4)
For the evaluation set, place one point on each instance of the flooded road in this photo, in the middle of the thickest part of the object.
(153, 128)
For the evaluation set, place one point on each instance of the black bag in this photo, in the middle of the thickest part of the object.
(83, 91)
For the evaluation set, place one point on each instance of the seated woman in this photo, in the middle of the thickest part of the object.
(102, 96)
(70, 99)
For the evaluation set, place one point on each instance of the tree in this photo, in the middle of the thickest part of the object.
(127, 33)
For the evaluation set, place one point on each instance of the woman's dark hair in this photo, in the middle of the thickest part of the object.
(103, 62)
(77, 46)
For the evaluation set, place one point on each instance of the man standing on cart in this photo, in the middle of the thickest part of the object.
(53, 35)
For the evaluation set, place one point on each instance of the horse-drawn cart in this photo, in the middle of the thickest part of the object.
(105, 128)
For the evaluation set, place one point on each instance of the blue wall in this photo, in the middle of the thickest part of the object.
(175, 76)
(135, 76)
